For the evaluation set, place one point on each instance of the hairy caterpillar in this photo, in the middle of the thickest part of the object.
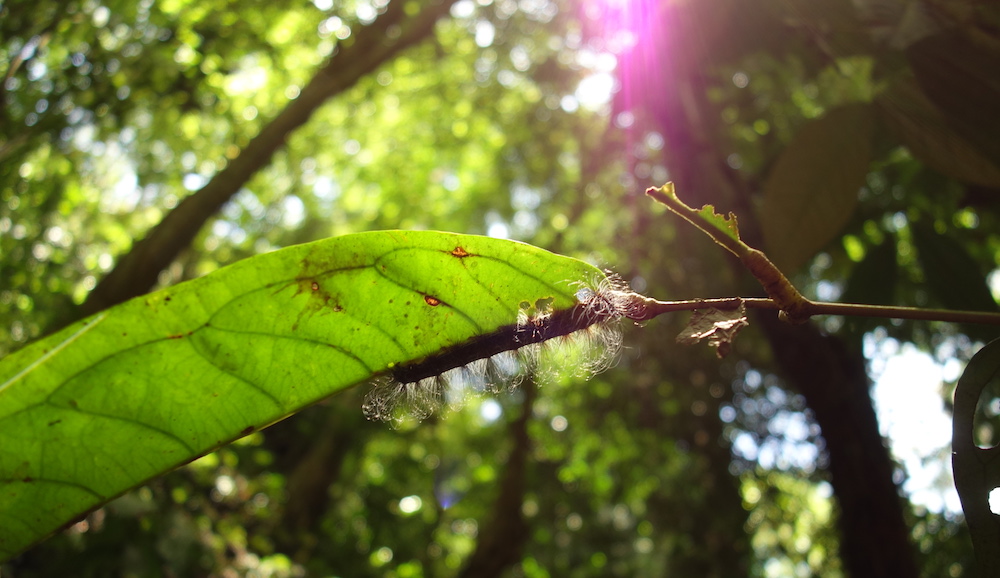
(499, 360)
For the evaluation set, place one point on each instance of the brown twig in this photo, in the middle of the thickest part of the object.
(652, 308)
(793, 306)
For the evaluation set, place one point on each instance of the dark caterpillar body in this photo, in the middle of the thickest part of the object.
(499, 359)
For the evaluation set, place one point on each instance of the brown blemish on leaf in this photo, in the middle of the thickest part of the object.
(320, 300)
(460, 252)
(432, 301)
(247, 431)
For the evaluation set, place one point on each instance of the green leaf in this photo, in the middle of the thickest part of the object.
(142, 388)
(925, 131)
(960, 77)
(705, 218)
(812, 190)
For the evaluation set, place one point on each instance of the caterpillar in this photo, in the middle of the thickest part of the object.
(499, 360)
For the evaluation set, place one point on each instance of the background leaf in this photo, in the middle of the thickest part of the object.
(132, 392)
(812, 190)
(925, 131)
(960, 77)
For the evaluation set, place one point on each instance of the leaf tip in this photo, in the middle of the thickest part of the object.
(667, 190)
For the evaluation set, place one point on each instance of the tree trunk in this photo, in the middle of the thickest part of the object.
(501, 541)
(668, 81)
(874, 536)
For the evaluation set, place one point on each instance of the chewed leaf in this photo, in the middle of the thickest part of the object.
(726, 224)
(116, 399)
(702, 218)
(718, 326)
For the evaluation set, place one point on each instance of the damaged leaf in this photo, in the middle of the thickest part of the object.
(719, 326)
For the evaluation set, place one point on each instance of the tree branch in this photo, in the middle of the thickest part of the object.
(649, 308)
(500, 543)
(725, 231)
(791, 304)
(138, 270)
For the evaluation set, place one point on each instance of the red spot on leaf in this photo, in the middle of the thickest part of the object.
(460, 252)
(315, 286)
(432, 301)
(247, 431)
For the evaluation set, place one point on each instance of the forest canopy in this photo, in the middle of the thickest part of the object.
(143, 144)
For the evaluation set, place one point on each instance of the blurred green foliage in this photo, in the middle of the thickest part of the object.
(112, 112)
